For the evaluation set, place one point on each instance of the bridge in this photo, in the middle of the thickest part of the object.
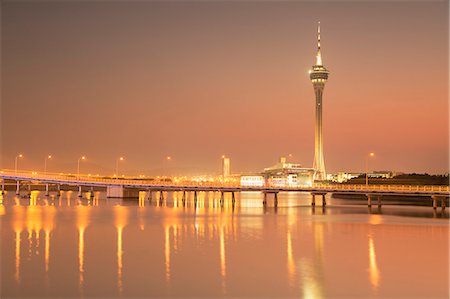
(130, 187)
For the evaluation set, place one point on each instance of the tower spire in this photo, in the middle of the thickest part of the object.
(319, 56)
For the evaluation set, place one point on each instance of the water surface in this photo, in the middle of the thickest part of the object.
(70, 247)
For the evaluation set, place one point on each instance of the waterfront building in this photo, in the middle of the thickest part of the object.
(256, 180)
(282, 174)
(286, 174)
(226, 167)
(319, 76)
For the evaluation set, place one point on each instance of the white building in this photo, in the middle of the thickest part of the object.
(252, 181)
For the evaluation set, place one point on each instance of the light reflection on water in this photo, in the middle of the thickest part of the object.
(194, 246)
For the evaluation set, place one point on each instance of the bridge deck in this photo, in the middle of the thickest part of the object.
(83, 180)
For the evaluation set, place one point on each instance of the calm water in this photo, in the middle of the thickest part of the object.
(70, 247)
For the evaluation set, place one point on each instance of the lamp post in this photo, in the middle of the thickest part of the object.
(78, 165)
(45, 162)
(15, 162)
(367, 167)
(117, 166)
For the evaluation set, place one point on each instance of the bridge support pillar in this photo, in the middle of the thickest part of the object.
(91, 192)
(221, 198)
(119, 191)
(443, 203)
(79, 191)
(46, 189)
(29, 190)
(265, 199)
(195, 198)
(17, 187)
(59, 191)
(161, 197)
(275, 199)
(233, 199)
(313, 200)
(434, 199)
(3, 186)
(379, 201)
(324, 201)
(369, 200)
(150, 195)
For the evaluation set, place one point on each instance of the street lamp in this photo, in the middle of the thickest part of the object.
(367, 167)
(15, 162)
(78, 165)
(117, 165)
(45, 162)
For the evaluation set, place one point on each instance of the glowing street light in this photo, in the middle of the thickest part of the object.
(117, 165)
(45, 162)
(367, 167)
(15, 162)
(78, 165)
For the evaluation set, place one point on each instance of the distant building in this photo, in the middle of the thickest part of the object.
(345, 176)
(382, 174)
(285, 174)
(226, 167)
(282, 174)
(253, 181)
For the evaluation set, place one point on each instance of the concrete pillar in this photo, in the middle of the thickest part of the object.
(379, 201)
(233, 199)
(46, 189)
(221, 198)
(17, 187)
(434, 198)
(161, 196)
(275, 199)
(265, 198)
(150, 195)
(324, 201)
(195, 197)
(3, 186)
(29, 190)
(183, 198)
(369, 200)
(59, 190)
(443, 203)
(313, 201)
(92, 192)
(79, 191)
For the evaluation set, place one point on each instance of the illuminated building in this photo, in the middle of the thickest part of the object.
(318, 76)
(285, 174)
(252, 181)
(226, 170)
(282, 174)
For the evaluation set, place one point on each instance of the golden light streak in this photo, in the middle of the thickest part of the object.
(17, 272)
(81, 255)
(119, 259)
(82, 223)
(290, 260)
(223, 264)
(167, 252)
(121, 219)
(47, 249)
(374, 273)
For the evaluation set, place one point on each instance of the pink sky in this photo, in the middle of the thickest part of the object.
(196, 80)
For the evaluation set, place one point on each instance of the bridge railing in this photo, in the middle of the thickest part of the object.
(73, 179)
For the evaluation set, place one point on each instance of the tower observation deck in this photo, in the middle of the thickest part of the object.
(319, 76)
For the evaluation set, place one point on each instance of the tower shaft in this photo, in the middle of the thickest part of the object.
(319, 76)
(319, 163)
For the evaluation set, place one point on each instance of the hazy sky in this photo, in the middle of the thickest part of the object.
(196, 80)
